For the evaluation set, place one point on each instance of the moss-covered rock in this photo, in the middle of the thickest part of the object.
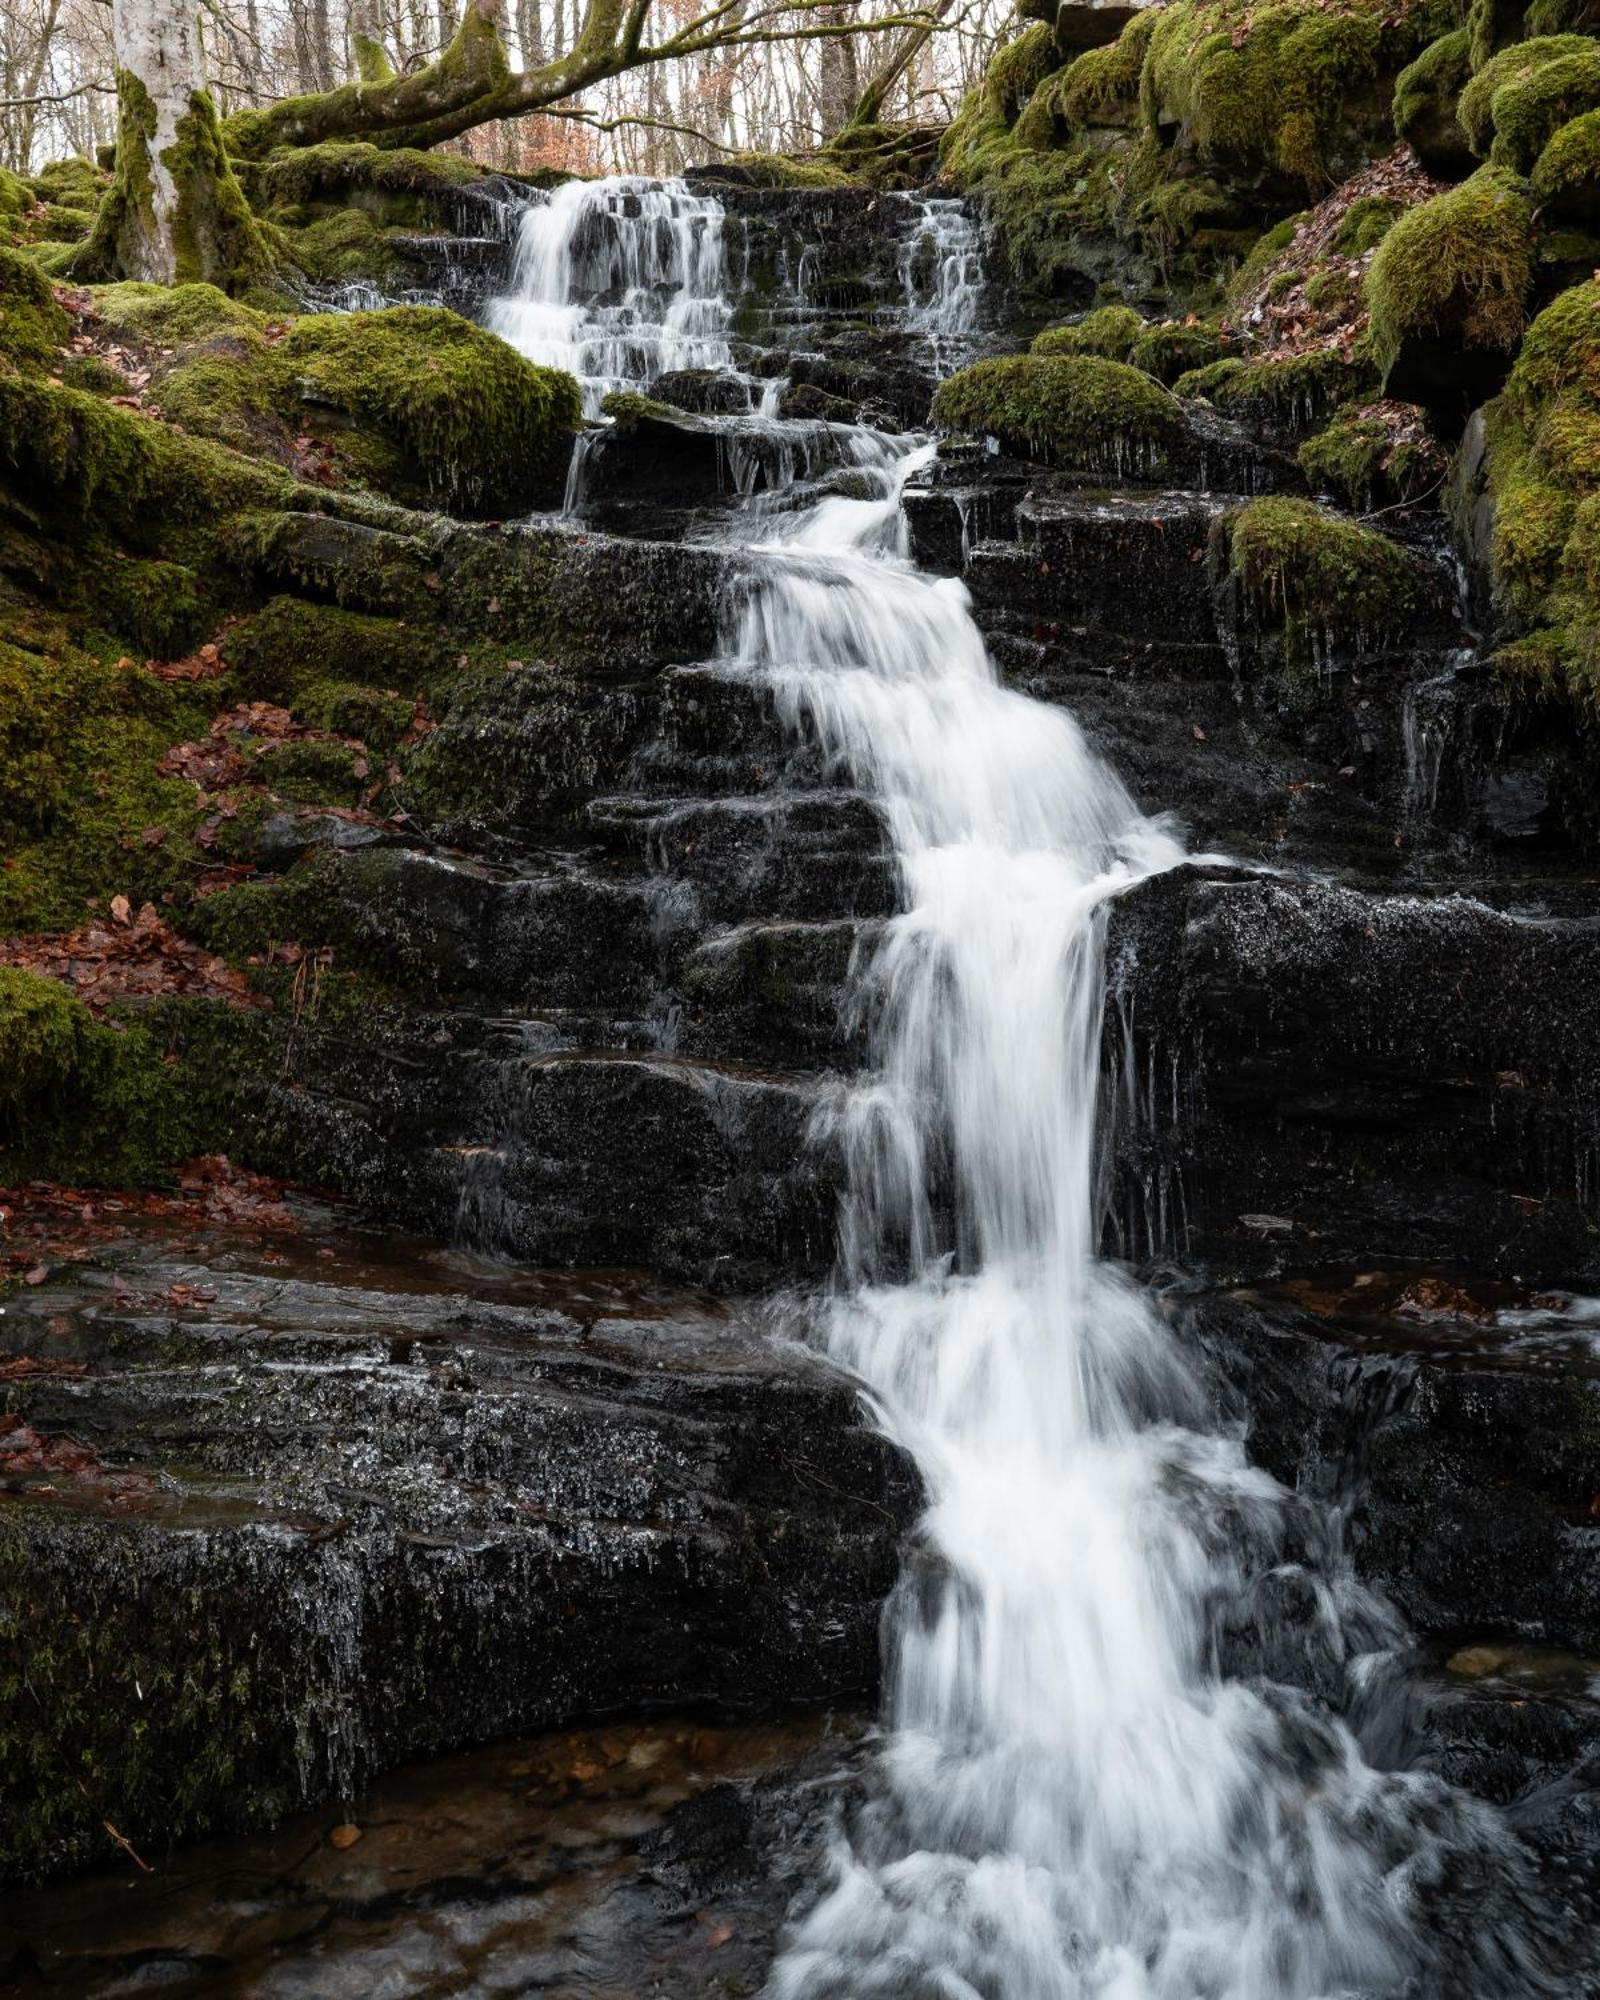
(291, 648)
(1288, 394)
(436, 406)
(171, 315)
(1359, 460)
(43, 1027)
(1539, 472)
(1426, 94)
(398, 184)
(780, 170)
(980, 133)
(1566, 176)
(1079, 412)
(1522, 97)
(1109, 332)
(1448, 290)
(32, 325)
(1324, 580)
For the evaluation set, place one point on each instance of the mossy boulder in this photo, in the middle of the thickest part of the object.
(400, 186)
(980, 134)
(1359, 460)
(780, 170)
(1519, 100)
(1321, 580)
(1075, 411)
(1284, 395)
(43, 1026)
(436, 408)
(171, 315)
(1426, 94)
(1448, 290)
(1566, 177)
(1528, 508)
(1109, 332)
(32, 325)
(290, 648)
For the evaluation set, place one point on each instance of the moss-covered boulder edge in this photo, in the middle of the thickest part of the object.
(186, 661)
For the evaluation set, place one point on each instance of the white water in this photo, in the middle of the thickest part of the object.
(619, 282)
(1074, 1803)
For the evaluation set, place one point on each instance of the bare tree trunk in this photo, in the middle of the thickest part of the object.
(903, 52)
(839, 87)
(369, 57)
(22, 149)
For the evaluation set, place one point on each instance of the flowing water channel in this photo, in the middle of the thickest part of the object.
(1076, 1801)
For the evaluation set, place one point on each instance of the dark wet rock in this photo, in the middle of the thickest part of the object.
(660, 1857)
(703, 392)
(355, 1524)
(1466, 1457)
(1392, 1075)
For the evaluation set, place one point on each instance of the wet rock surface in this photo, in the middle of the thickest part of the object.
(316, 1512)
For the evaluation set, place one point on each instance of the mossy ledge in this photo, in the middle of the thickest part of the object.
(1322, 580)
(1078, 412)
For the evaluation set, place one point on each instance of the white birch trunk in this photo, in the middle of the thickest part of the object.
(157, 46)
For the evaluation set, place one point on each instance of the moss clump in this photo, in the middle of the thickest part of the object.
(369, 715)
(1566, 177)
(42, 1031)
(229, 388)
(84, 461)
(32, 325)
(626, 408)
(1459, 266)
(1178, 348)
(1426, 94)
(781, 170)
(980, 134)
(1366, 223)
(1080, 411)
(438, 401)
(163, 609)
(1264, 253)
(1110, 332)
(1358, 459)
(1289, 393)
(310, 770)
(1102, 86)
(337, 248)
(171, 315)
(1286, 88)
(340, 173)
(73, 183)
(1316, 574)
(1514, 97)
(291, 647)
(1542, 466)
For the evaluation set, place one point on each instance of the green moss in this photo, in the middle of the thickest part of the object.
(475, 424)
(1533, 102)
(1566, 177)
(1074, 411)
(1459, 265)
(229, 388)
(290, 648)
(76, 183)
(162, 609)
(625, 408)
(335, 172)
(32, 325)
(1109, 332)
(1178, 348)
(309, 770)
(1290, 393)
(89, 373)
(980, 134)
(783, 170)
(1512, 68)
(79, 460)
(1541, 467)
(1367, 221)
(370, 715)
(1426, 94)
(1315, 573)
(1330, 291)
(1357, 460)
(171, 315)
(1102, 86)
(1285, 88)
(1264, 252)
(43, 1026)
(348, 244)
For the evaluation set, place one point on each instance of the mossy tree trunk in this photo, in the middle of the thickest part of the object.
(175, 212)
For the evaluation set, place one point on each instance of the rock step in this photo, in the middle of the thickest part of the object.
(359, 1523)
(1382, 1076)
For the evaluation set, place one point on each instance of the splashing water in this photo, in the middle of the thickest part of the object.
(1074, 1802)
(619, 282)
(941, 276)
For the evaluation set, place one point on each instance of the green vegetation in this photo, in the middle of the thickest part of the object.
(1542, 471)
(1357, 459)
(1567, 176)
(363, 175)
(171, 315)
(1110, 332)
(1078, 411)
(32, 325)
(980, 133)
(1366, 223)
(1425, 98)
(1316, 575)
(1288, 393)
(1521, 97)
(1458, 268)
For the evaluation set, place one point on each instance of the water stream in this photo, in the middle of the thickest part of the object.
(1076, 1802)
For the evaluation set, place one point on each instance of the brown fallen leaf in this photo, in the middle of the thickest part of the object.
(345, 1836)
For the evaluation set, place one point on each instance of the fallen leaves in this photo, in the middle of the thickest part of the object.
(344, 1837)
(136, 956)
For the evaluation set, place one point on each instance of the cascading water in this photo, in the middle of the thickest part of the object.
(941, 275)
(619, 282)
(1075, 1802)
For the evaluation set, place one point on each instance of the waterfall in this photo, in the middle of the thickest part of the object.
(619, 282)
(1074, 1802)
(941, 275)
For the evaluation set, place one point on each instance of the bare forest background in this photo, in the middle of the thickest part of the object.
(56, 77)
